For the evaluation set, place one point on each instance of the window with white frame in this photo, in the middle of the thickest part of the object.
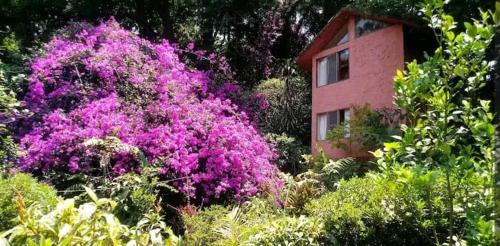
(327, 121)
(333, 68)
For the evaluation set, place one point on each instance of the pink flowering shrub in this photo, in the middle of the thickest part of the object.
(105, 81)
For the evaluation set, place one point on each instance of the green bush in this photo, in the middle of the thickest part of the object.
(288, 231)
(92, 223)
(329, 172)
(31, 191)
(199, 226)
(369, 211)
(450, 136)
(289, 100)
(135, 194)
(298, 191)
(257, 222)
(290, 153)
(368, 129)
(10, 108)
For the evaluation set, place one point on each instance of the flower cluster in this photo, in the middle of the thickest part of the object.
(104, 81)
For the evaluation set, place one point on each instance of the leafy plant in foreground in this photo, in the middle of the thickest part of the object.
(370, 211)
(91, 223)
(450, 135)
(32, 191)
(256, 222)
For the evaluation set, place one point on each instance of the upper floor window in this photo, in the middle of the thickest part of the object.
(327, 121)
(333, 68)
(341, 37)
(365, 26)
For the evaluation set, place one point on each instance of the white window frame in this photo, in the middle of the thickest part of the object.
(323, 126)
(323, 69)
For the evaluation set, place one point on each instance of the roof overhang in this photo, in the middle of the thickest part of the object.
(304, 59)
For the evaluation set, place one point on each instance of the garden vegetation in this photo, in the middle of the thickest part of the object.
(117, 140)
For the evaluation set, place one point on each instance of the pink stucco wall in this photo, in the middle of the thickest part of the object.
(373, 61)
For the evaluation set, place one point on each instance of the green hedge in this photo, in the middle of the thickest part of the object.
(369, 211)
(30, 190)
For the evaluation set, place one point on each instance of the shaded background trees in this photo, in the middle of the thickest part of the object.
(259, 38)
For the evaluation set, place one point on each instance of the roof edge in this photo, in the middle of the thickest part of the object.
(348, 11)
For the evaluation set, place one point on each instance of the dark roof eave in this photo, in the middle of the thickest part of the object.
(341, 13)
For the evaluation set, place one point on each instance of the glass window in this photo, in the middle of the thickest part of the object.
(322, 126)
(322, 71)
(365, 26)
(343, 72)
(344, 39)
(333, 68)
(327, 121)
(347, 117)
(341, 37)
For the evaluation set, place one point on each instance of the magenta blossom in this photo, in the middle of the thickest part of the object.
(106, 82)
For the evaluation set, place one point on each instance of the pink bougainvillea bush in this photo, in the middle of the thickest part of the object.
(106, 82)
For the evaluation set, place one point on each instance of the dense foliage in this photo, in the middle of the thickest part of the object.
(367, 129)
(23, 185)
(103, 98)
(91, 223)
(450, 135)
(8, 108)
(257, 222)
(373, 211)
(289, 104)
(290, 152)
(164, 141)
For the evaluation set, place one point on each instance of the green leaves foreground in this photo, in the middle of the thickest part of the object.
(450, 136)
(91, 223)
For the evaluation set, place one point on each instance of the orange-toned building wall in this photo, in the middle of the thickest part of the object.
(373, 61)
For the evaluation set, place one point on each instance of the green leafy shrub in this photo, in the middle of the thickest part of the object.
(288, 231)
(368, 129)
(290, 153)
(298, 191)
(367, 211)
(289, 103)
(257, 222)
(199, 226)
(135, 194)
(450, 131)
(10, 109)
(92, 223)
(330, 171)
(30, 190)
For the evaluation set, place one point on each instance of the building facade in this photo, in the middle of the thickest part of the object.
(352, 62)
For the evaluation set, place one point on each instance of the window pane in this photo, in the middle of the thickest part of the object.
(322, 71)
(347, 117)
(322, 126)
(332, 69)
(365, 26)
(341, 37)
(343, 71)
(332, 120)
(344, 39)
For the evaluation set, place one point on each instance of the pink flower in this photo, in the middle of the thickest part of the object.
(107, 82)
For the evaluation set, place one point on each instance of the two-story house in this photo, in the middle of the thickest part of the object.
(353, 61)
